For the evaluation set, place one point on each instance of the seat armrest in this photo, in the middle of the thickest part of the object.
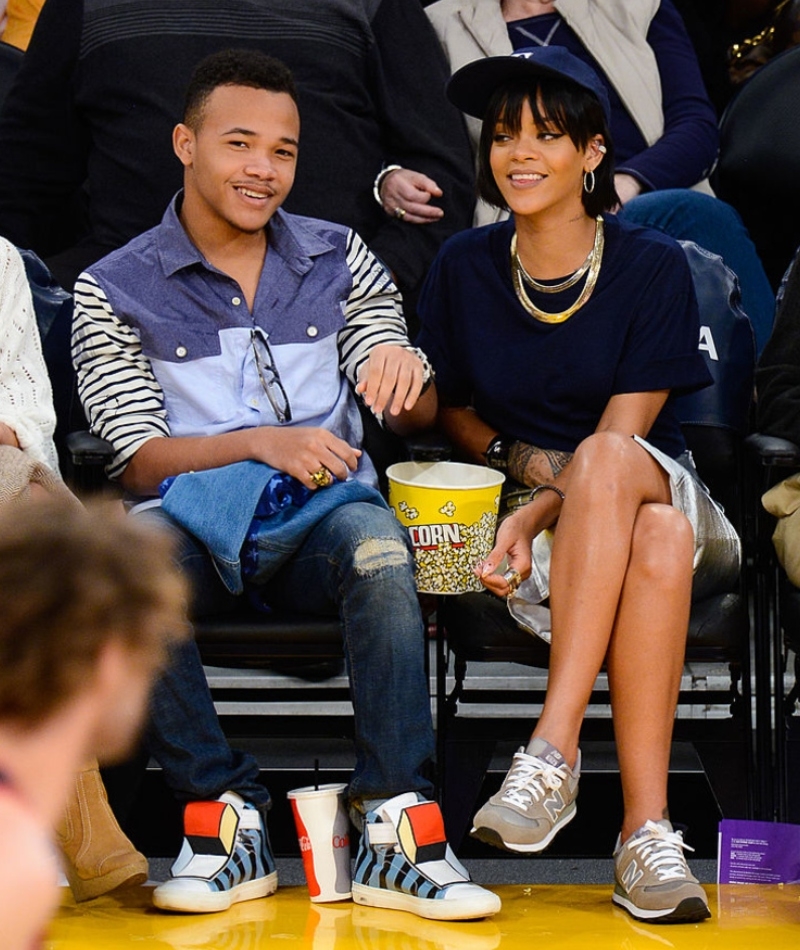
(88, 449)
(773, 450)
(428, 446)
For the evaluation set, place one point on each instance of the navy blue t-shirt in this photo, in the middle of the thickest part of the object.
(548, 384)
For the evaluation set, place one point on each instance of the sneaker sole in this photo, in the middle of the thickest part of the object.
(494, 838)
(210, 902)
(688, 911)
(470, 909)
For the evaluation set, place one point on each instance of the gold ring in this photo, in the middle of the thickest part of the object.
(322, 478)
(513, 579)
(399, 212)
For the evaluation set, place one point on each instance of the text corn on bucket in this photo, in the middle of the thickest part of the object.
(450, 512)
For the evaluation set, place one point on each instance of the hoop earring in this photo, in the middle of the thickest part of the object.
(588, 182)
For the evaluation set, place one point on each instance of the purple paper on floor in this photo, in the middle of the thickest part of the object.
(758, 852)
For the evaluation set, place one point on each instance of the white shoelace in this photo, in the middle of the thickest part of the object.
(530, 778)
(662, 851)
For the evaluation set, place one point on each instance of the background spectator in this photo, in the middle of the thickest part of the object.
(27, 417)
(101, 88)
(98, 856)
(22, 15)
(778, 370)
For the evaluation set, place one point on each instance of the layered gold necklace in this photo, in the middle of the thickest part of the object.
(591, 265)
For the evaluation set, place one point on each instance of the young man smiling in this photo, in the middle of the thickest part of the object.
(222, 354)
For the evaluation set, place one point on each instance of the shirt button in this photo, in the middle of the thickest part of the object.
(236, 301)
(312, 331)
(181, 351)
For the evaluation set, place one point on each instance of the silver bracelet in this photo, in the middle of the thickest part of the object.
(548, 487)
(428, 372)
(376, 188)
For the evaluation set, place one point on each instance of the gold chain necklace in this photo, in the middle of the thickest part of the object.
(596, 256)
(556, 288)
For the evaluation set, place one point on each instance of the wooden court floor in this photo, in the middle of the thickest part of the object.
(536, 917)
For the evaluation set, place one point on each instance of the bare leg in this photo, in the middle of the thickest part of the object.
(645, 658)
(611, 478)
(620, 592)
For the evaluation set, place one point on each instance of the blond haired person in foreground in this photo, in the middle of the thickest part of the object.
(91, 604)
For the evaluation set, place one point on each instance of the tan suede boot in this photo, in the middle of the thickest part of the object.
(98, 857)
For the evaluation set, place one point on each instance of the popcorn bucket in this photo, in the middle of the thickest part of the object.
(450, 512)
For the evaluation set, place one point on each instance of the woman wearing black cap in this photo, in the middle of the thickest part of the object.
(558, 338)
(664, 125)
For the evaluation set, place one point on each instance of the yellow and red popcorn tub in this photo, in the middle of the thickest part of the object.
(450, 512)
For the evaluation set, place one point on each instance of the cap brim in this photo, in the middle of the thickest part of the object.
(472, 87)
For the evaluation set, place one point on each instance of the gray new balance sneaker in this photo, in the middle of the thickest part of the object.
(653, 881)
(536, 800)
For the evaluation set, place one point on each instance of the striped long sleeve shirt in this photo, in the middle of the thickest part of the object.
(165, 345)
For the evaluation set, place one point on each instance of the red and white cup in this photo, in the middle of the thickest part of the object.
(323, 831)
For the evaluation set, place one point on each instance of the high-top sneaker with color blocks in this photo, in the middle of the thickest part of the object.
(405, 863)
(225, 858)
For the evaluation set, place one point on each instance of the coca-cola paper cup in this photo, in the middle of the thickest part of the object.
(323, 831)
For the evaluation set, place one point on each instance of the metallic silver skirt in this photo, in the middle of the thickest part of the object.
(717, 549)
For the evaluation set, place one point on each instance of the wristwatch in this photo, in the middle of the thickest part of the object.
(497, 451)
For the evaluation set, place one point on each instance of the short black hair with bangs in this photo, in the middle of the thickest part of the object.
(558, 104)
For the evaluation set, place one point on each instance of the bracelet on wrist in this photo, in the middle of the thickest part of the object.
(382, 175)
(428, 372)
(547, 487)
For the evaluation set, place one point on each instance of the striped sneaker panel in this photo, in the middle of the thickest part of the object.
(393, 873)
(246, 863)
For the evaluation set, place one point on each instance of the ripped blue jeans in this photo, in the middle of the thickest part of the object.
(356, 564)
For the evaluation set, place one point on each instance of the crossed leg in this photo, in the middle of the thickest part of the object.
(620, 592)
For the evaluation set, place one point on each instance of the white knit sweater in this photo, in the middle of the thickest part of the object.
(26, 397)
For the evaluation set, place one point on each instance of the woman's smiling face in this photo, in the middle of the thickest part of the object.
(538, 168)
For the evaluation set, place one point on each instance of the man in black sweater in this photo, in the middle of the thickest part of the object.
(85, 161)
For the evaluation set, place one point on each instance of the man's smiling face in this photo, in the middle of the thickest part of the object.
(240, 158)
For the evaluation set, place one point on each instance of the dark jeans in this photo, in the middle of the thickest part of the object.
(356, 565)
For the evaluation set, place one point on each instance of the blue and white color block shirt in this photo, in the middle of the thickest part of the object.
(163, 340)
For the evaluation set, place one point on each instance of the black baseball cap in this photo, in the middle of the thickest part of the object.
(471, 87)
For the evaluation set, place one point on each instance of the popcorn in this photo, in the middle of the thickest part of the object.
(445, 558)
